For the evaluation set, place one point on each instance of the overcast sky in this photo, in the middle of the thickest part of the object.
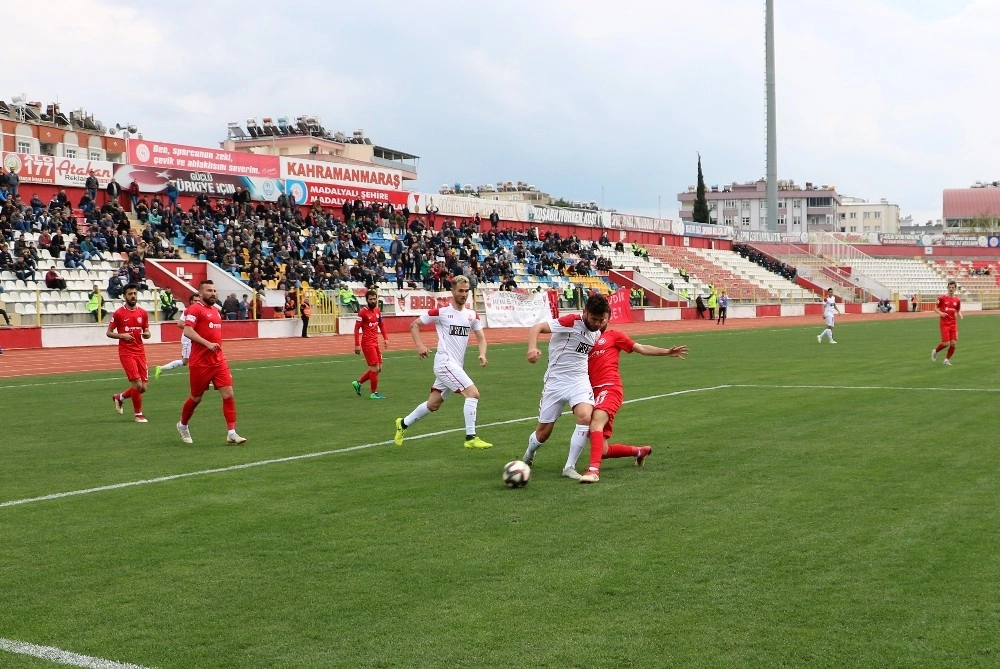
(891, 99)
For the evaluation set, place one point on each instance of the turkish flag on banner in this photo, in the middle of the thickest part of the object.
(621, 307)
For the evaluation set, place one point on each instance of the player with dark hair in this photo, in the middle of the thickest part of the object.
(566, 380)
(203, 326)
(185, 346)
(366, 330)
(948, 307)
(130, 325)
(609, 393)
(454, 324)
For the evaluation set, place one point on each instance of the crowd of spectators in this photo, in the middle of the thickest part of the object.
(767, 262)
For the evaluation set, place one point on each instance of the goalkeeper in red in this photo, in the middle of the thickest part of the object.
(366, 330)
(609, 395)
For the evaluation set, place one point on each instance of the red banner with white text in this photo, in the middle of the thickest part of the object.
(201, 159)
(621, 307)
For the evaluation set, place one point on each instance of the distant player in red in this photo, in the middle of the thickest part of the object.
(602, 366)
(130, 325)
(366, 330)
(203, 326)
(947, 307)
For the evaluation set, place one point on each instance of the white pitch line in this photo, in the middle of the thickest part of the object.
(817, 387)
(304, 456)
(61, 656)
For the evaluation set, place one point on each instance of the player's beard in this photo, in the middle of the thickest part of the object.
(130, 303)
(209, 301)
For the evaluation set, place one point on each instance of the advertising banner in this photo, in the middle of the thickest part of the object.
(621, 307)
(201, 159)
(308, 192)
(416, 302)
(707, 230)
(194, 182)
(516, 309)
(593, 219)
(641, 223)
(35, 168)
(360, 176)
(454, 205)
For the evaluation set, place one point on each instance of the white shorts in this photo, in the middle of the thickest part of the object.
(185, 347)
(555, 397)
(450, 376)
(829, 320)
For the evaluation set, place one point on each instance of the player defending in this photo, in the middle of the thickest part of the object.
(566, 380)
(185, 346)
(830, 311)
(609, 394)
(947, 307)
(454, 323)
(366, 330)
(203, 326)
(130, 325)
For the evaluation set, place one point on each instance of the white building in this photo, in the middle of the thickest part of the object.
(744, 206)
(861, 216)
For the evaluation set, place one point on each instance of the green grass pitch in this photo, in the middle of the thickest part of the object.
(810, 506)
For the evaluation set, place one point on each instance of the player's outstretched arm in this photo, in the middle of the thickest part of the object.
(672, 352)
(534, 355)
(415, 333)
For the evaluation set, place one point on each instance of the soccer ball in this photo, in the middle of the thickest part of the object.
(516, 474)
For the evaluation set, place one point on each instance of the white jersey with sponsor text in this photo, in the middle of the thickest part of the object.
(453, 330)
(569, 347)
(829, 306)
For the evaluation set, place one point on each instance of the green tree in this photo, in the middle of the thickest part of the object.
(701, 214)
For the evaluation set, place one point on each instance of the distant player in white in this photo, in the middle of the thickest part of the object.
(185, 345)
(454, 324)
(829, 312)
(566, 379)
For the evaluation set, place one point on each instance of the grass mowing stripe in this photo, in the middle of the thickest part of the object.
(60, 656)
(304, 456)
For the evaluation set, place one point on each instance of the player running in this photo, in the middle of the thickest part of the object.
(830, 311)
(203, 326)
(566, 380)
(366, 330)
(947, 307)
(130, 325)
(185, 346)
(454, 324)
(609, 392)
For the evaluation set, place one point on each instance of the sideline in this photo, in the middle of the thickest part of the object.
(304, 456)
(60, 656)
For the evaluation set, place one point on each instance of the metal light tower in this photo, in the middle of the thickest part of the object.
(772, 143)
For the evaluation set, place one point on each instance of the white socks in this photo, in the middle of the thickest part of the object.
(826, 333)
(416, 414)
(173, 364)
(470, 408)
(533, 444)
(580, 438)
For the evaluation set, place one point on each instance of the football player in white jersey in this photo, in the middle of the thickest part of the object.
(566, 379)
(185, 344)
(830, 311)
(454, 324)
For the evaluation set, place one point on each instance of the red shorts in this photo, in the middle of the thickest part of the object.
(372, 353)
(609, 399)
(135, 367)
(200, 377)
(949, 331)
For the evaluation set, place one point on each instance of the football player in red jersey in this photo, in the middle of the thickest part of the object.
(948, 307)
(203, 326)
(366, 330)
(609, 393)
(130, 325)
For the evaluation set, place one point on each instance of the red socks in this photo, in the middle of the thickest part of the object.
(136, 398)
(188, 410)
(373, 377)
(622, 451)
(951, 352)
(597, 447)
(229, 411)
(940, 347)
(364, 377)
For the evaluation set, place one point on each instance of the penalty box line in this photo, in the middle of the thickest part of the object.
(304, 456)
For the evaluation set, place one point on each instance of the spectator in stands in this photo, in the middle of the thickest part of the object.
(57, 244)
(347, 298)
(245, 307)
(6, 259)
(168, 305)
(37, 206)
(231, 307)
(53, 280)
(91, 184)
(173, 193)
(133, 194)
(74, 259)
(116, 283)
(13, 183)
(95, 304)
(22, 270)
(114, 190)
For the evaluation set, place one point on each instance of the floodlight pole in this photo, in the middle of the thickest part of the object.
(772, 144)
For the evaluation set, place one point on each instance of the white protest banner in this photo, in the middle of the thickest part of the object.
(416, 302)
(514, 309)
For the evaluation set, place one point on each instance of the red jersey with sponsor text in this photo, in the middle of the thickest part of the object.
(368, 325)
(949, 305)
(602, 365)
(207, 322)
(133, 322)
